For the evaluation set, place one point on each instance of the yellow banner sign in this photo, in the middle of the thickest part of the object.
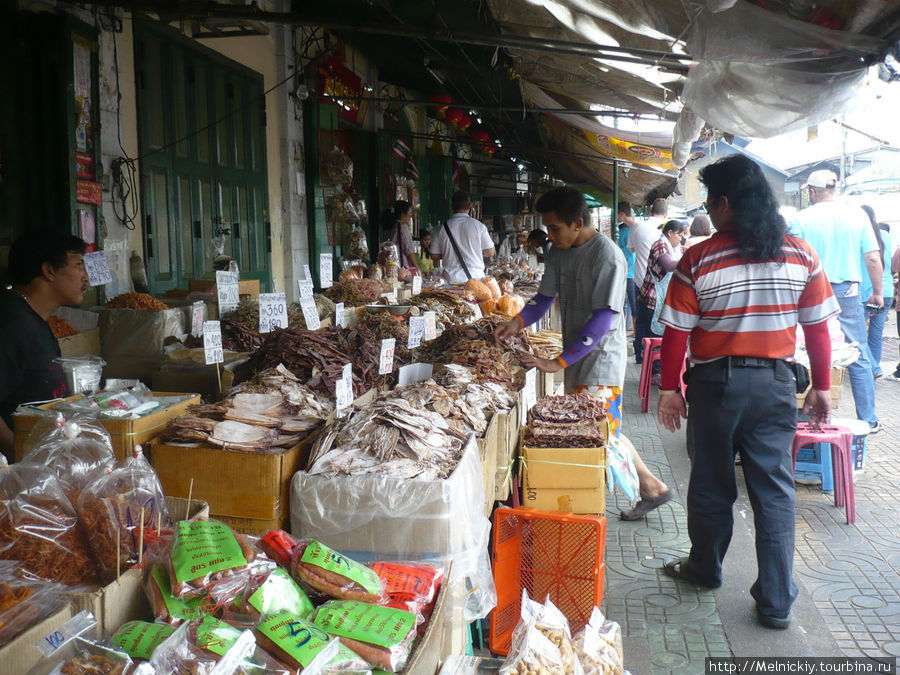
(648, 155)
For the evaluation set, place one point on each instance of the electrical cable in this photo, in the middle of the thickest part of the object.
(124, 185)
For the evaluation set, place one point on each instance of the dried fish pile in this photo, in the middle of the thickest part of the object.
(324, 308)
(356, 292)
(449, 308)
(473, 345)
(463, 382)
(527, 288)
(385, 325)
(236, 337)
(388, 436)
(301, 399)
(546, 343)
(571, 421)
(279, 416)
(452, 406)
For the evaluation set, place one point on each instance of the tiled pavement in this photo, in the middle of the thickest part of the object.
(849, 575)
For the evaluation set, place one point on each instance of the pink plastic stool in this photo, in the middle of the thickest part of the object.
(841, 441)
(652, 348)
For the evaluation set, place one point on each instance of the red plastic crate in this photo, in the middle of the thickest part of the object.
(545, 553)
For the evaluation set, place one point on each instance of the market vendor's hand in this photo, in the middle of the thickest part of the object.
(818, 405)
(544, 365)
(507, 330)
(670, 410)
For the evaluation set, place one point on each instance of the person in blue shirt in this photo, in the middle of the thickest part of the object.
(626, 221)
(877, 317)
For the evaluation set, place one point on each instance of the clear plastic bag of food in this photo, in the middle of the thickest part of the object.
(39, 527)
(409, 585)
(532, 654)
(120, 512)
(272, 592)
(325, 573)
(82, 653)
(22, 602)
(305, 647)
(75, 450)
(139, 639)
(357, 246)
(203, 551)
(383, 636)
(165, 606)
(389, 254)
(553, 625)
(340, 209)
(599, 646)
(83, 373)
(337, 169)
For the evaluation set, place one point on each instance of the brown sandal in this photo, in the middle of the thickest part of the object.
(645, 506)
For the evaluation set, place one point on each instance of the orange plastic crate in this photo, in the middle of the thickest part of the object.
(545, 553)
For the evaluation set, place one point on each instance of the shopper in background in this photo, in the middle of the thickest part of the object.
(643, 236)
(538, 245)
(466, 235)
(396, 225)
(895, 269)
(738, 296)
(626, 225)
(700, 229)
(844, 241)
(877, 315)
(426, 266)
(587, 271)
(47, 272)
(664, 256)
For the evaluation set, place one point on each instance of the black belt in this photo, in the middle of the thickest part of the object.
(742, 362)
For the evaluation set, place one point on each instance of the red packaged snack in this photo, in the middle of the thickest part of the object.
(279, 546)
(327, 572)
(407, 585)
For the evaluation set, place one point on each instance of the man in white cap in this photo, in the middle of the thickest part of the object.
(842, 236)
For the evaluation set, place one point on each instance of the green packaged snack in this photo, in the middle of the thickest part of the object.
(201, 549)
(280, 593)
(166, 607)
(214, 635)
(327, 571)
(299, 643)
(381, 635)
(140, 638)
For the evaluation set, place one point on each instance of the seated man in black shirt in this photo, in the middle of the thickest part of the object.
(47, 271)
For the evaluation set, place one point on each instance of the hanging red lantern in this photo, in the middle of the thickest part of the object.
(438, 103)
(481, 138)
(452, 117)
(490, 149)
(465, 122)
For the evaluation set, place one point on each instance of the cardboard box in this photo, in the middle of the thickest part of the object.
(81, 344)
(235, 484)
(204, 380)
(256, 526)
(249, 287)
(21, 655)
(572, 500)
(564, 467)
(505, 461)
(429, 651)
(132, 340)
(125, 434)
(837, 379)
(487, 448)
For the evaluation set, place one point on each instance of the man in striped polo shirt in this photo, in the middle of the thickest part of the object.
(738, 297)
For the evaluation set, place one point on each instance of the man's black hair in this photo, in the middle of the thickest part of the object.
(30, 251)
(537, 236)
(460, 201)
(759, 227)
(624, 207)
(567, 203)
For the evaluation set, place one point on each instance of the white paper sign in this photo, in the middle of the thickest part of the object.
(212, 342)
(415, 372)
(477, 308)
(64, 634)
(430, 325)
(97, 268)
(416, 331)
(227, 291)
(197, 317)
(339, 318)
(386, 360)
(416, 285)
(310, 313)
(344, 388)
(308, 274)
(390, 297)
(325, 270)
(305, 287)
(272, 312)
(529, 394)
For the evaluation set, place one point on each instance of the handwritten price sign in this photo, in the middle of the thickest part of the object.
(227, 291)
(97, 268)
(386, 361)
(212, 342)
(272, 312)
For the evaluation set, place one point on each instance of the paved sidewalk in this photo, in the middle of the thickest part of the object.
(849, 575)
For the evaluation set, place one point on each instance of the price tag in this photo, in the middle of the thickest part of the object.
(305, 287)
(339, 319)
(272, 312)
(390, 297)
(416, 331)
(344, 388)
(416, 285)
(308, 274)
(198, 314)
(78, 624)
(97, 268)
(386, 360)
(478, 314)
(212, 342)
(430, 325)
(529, 395)
(310, 313)
(325, 270)
(227, 291)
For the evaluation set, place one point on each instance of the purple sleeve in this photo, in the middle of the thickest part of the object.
(594, 330)
(667, 262)
(535, 309)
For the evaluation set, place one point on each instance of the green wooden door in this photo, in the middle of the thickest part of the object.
(201, 126)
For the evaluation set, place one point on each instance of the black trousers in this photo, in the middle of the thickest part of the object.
(642, 329)
(751, 410)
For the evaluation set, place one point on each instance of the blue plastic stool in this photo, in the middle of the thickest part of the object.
(816, 458)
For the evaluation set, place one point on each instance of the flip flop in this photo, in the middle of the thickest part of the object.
(679, 570)
(645, 506)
